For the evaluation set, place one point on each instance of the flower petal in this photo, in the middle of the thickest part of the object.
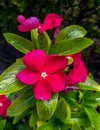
(3, 112)
(77, 74)
(35, 60)
(28, 76)
(55, 63)
(21, 19)
(41, 90)
(57, 82)
(83, 71)
(51, 21)
(3, 98)
(77, 59)
(28, 24)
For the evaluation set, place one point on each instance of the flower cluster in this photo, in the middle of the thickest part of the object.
(51, 21)
(41, 82)
(46, 72)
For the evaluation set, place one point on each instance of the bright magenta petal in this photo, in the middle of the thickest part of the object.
(35, 60)
(28, 76)
(77, 74)
(57, 82)
(83, 71)
(28, 24)
(77, 59)
(2, 112)
(50, 21)
(21, 19)
(41, 90)
(4, 104)
(3, 98)
(55, 63)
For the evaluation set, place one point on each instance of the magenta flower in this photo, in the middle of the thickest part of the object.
(4, 104)
(78, 72)
(45, 72)
(51, 21)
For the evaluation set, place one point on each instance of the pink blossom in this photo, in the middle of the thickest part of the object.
(51, 21)
(78, 72)
(4, 104)
(45, 72)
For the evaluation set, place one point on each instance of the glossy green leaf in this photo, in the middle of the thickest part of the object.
(94, 117)
(2, 124)
(20, 43)
(73, 103)
(63, 111)
(46, 108)
(90, 84)
(21, 116)
(51, 125)
(72, 31)
(70, 46)
(34, 36)
(21, 104)
(81, 118)
(33, 119)
(91, 100)
(44, 42)
(76, 126)
(8, 80)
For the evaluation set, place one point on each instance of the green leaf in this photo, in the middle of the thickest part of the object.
(33, 118)
(91, 100)
(21, 116)
(81, 118)
(90, 84)
(63, 111)
(70, 46)
(73, 103)
(8, 80)
(22, 126)
(72, 31)
(51, 125)
(44, 42)
(45, 109)
(20, 43)
(76, 126)
(94, 117)
(21, 104)
(2, 124)
(34, 36)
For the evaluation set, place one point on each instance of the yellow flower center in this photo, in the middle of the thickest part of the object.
(43, 75)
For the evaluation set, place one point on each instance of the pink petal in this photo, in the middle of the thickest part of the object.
(28, 24)
(41, 90)
(21, 19)
(83, 71)
(35, 60)
(55, 63)
(27, 76)
(77, 59)
(51, 21)
(3, 98)
(2, 112)
(57, 82)
(77, 74)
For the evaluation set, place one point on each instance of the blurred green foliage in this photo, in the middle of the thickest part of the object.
(82, 12)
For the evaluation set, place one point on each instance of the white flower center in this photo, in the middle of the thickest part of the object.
(43, 75)
(39, 27)
(1, 104)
